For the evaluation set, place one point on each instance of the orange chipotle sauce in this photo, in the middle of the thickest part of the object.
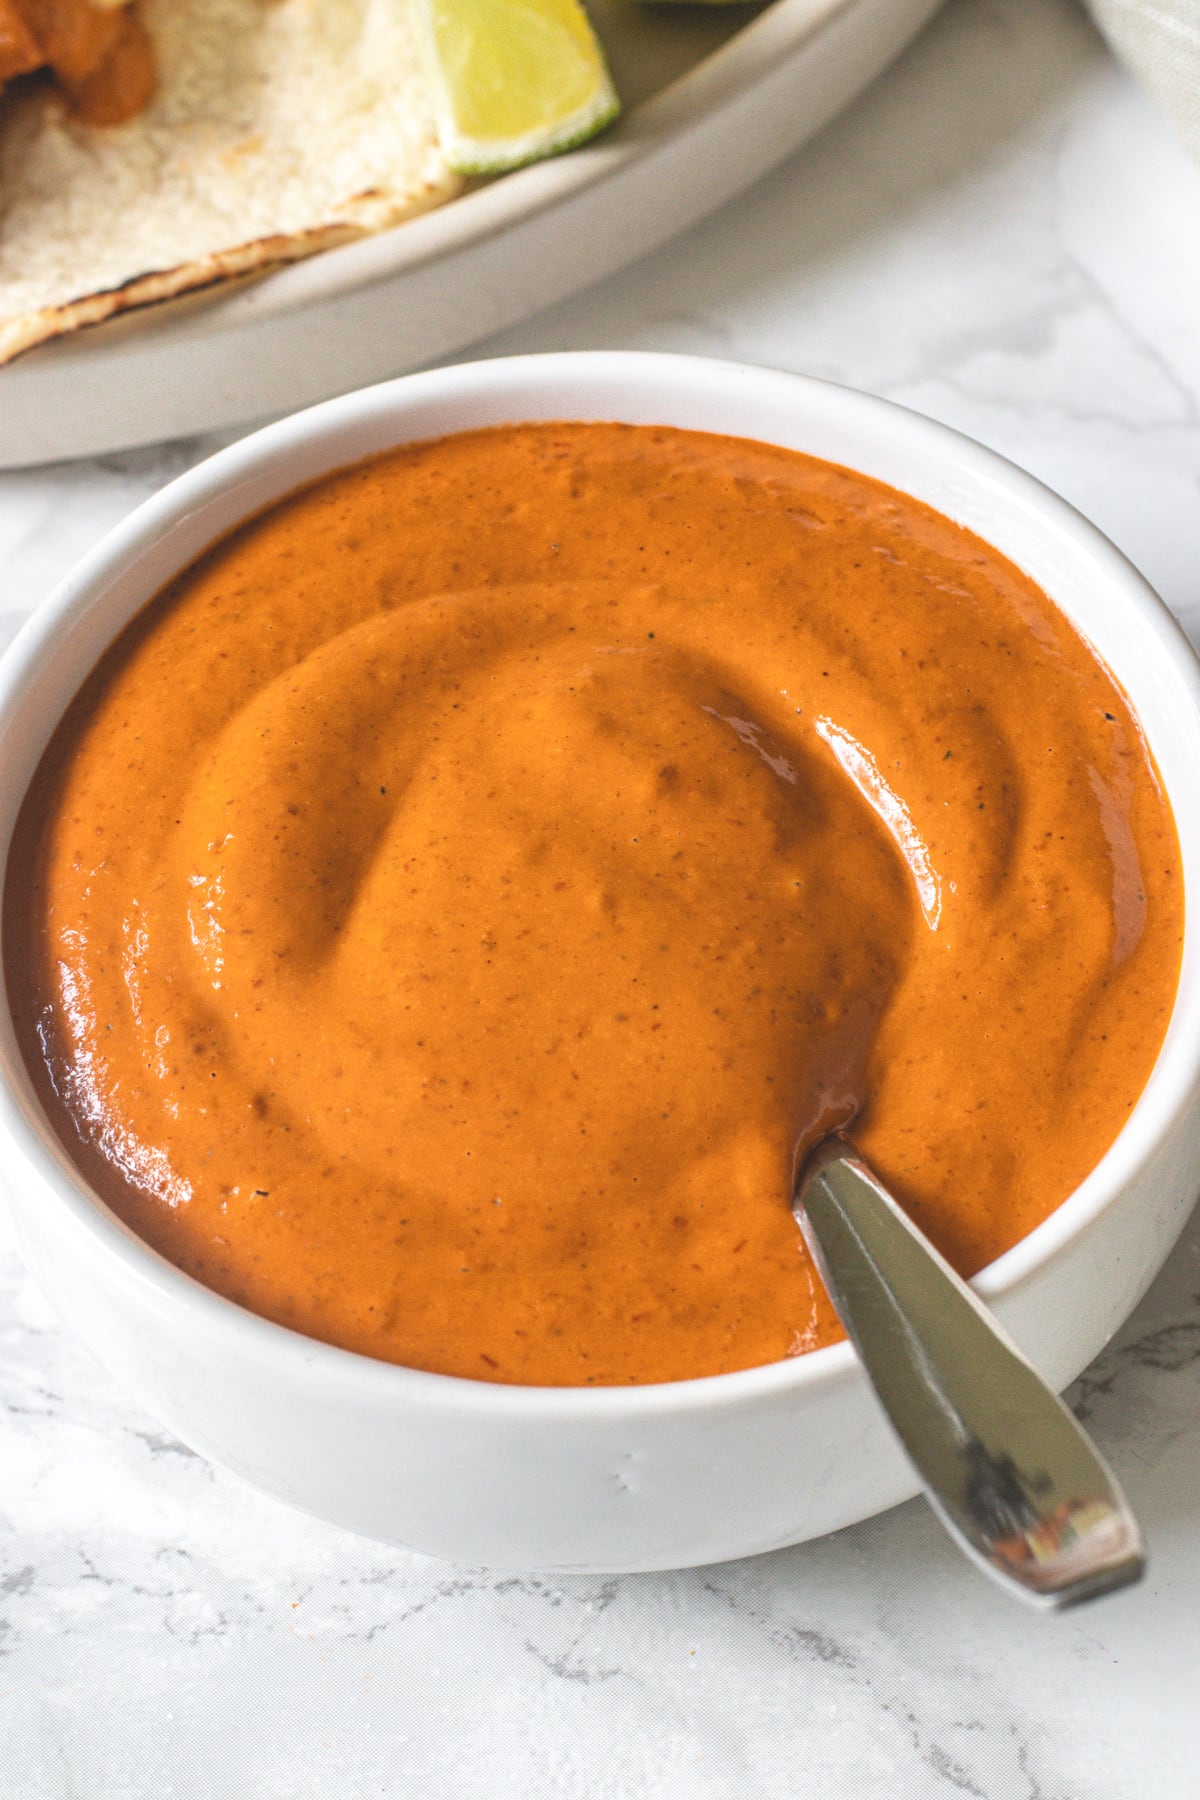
(449, 908)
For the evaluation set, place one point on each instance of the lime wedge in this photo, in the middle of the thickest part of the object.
(513, 80)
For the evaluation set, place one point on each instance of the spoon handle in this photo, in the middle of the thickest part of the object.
(1011, 1474)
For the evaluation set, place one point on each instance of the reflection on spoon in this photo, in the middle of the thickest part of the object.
(1011, 1474)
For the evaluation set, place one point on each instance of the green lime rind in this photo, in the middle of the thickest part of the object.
(473, 156)
(512, 81)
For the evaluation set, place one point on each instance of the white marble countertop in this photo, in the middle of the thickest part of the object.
(1001, 234)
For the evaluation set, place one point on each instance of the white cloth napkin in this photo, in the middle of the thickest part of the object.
(1160, 41)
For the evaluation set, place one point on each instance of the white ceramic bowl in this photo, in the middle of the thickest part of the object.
(617, 1478)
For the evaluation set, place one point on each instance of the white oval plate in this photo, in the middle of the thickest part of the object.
(712, 101)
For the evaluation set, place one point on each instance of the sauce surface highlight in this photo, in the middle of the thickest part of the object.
(450, 907)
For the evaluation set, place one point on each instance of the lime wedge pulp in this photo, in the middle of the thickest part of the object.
(513, 80)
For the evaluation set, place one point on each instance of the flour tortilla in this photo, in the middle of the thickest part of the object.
(279, 127)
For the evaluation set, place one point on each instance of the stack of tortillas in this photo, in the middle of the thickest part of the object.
(278, 127)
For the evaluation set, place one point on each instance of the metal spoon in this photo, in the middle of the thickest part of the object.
(1012, 1476)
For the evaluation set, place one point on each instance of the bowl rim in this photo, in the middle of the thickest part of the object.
(134, 1265)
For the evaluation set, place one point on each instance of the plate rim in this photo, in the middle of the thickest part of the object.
(456, 225)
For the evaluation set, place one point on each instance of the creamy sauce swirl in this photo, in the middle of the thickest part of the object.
(449, 910)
